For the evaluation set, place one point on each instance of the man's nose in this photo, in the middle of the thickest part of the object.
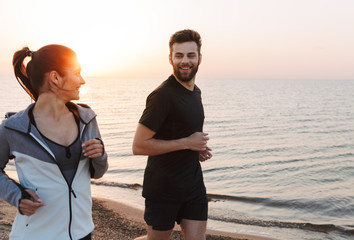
(185, 59)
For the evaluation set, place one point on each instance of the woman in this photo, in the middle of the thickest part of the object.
(56, 146)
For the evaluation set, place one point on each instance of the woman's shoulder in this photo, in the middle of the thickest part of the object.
(17, 120)
(78, 107)
(84, 105)
(83, 111)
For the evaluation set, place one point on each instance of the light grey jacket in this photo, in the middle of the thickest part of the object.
(67, 210)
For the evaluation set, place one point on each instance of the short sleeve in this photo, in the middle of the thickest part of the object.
(156, 110)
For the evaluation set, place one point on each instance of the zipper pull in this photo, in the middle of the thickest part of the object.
(73, 193)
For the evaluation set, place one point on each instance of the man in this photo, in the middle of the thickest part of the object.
(170, 132)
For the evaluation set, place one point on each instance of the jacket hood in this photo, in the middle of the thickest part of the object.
(21, 122)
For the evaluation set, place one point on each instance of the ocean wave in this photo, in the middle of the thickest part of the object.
(323, 228)
(288, 203)
(134, 186)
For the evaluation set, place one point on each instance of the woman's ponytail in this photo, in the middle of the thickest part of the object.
(21, 71)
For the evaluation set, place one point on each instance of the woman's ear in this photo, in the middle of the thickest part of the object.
(54, 78)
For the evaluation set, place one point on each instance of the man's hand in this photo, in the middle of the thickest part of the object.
(93, 148)
(197, 141)
(205, 155)
(29, 207)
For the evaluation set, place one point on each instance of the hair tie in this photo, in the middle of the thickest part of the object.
(29, 53)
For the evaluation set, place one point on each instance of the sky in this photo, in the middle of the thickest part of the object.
(242, 39)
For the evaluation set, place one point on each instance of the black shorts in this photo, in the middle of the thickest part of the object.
(163, 215)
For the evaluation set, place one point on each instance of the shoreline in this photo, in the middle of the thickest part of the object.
(116, 220)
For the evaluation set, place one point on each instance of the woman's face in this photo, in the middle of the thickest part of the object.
(72, 81)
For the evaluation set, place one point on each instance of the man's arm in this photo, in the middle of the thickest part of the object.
(145, 144)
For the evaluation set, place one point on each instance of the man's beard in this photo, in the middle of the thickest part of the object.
(185, 78)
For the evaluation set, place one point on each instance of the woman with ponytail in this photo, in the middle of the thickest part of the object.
(56, 146)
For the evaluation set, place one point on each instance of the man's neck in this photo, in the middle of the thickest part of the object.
(188, 85)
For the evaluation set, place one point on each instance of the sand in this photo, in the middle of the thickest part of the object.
(114, 220)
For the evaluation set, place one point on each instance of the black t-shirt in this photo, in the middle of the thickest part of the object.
(173, 112)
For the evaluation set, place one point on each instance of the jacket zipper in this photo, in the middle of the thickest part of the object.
(71, 191)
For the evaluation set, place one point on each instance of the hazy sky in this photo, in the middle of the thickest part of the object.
(242, 39)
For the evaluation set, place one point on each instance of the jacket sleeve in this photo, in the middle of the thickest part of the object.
(9, 190)
(99, 165)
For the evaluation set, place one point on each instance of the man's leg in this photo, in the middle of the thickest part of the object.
(141, 238)
(157, 234)
(193, 229)
(160, 219)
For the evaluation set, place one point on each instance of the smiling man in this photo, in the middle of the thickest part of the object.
(170, 132)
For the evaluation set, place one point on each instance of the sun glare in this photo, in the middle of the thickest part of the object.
(106, 42)
(90, 62)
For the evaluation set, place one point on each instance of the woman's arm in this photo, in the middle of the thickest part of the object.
(94, 149)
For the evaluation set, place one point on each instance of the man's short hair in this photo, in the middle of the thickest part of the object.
(186, 35)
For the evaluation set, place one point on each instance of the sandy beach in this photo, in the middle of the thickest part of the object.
(114, 220)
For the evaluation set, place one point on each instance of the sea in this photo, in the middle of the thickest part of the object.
(283, 151)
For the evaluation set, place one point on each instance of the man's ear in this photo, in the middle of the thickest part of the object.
(170, 59)
(200, 58)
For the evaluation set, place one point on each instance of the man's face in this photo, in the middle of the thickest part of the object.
(185, 60)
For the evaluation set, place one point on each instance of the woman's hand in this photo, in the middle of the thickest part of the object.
(93, 148)
(29, 207)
